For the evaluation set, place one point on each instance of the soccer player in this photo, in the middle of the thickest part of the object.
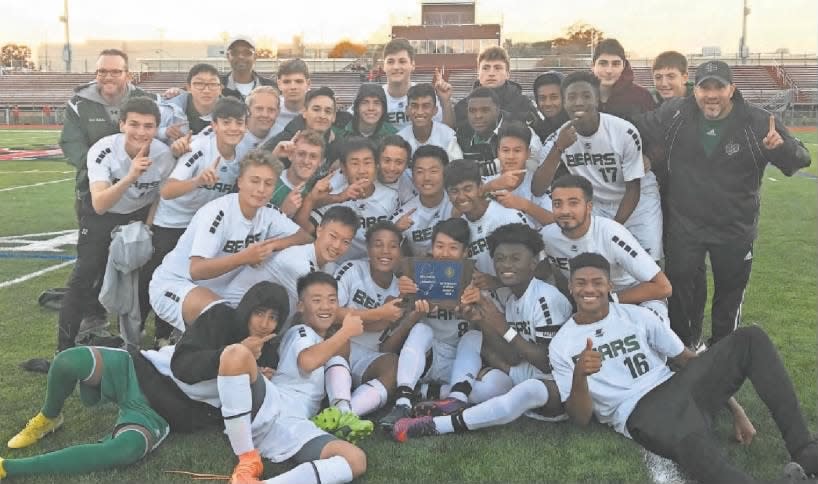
(635, 276)
(393, 158)
(464, 187)
(493, 71)
(549, 101)
(606, 150)
(512, 187)
(618, 95)
(519, 337)
(418, 217)
(318, 115)
(105, 375)
(191, 110)
(610, 361)
(371, 200)
(240, 82)
(293, 80)
(306, 153)
(270, 418)
(367, 288)
(424, 130)
(398, 64)
(207, 172)
(670, 78)
(369, 117)
(435, 335)
(478, 137)
(235, 230)
(333, 237)
(125, 173)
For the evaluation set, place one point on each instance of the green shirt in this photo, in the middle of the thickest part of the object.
(711, 131)
(282, 190)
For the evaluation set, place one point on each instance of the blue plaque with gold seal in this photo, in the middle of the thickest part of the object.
(439, 281)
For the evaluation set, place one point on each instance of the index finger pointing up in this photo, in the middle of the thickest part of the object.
(772, 124)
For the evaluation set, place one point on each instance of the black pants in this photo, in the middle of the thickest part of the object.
(685, 268)
(164, 240)
(674, 419)
(83, 207)
(86, 278)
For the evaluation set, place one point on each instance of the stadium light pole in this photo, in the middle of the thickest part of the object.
(743, 50)
(66, 51)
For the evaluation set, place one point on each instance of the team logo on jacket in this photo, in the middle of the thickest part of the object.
(731, 148)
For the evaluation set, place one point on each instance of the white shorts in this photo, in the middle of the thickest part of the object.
(645, 223)
(278, 432)
(443, 356)
(167, 296)
(360, 357)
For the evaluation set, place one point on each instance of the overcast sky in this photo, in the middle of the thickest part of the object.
(645, 27)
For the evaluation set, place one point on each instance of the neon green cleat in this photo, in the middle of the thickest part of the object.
(328, 419)
(2, 470)
(36, 428)
(353, 428)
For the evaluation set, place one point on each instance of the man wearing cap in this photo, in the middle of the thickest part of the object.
(714, 149)
(241, 53)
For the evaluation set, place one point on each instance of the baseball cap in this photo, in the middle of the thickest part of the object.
(717, 70)
(241, 38)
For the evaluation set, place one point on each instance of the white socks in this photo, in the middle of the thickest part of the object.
(467, 362)
(412, 359)
(334, 470)
(500, 410)
(368, 397)
(494, 383)
(338, 382)
(237, 403)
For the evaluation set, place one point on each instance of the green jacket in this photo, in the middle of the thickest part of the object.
(87, 120)
(348, 131)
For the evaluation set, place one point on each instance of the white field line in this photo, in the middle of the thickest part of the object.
(35, 274)
(36, 171)
(661, 470)
(35, 185)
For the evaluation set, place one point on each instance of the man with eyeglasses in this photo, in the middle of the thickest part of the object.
(241, 53)
(91, 114)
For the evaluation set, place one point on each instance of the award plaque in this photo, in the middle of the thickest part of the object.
(441, 282)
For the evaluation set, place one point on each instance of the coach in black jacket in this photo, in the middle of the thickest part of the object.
(716, 147)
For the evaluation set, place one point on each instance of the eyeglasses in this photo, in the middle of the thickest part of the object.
(110, 72)
(201, 86)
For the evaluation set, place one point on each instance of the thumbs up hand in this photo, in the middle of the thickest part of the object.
(590, 360)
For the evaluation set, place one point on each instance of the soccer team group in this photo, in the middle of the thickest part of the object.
(277, 228)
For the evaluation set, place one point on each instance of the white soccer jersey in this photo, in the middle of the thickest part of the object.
(495, 216)
(630, 264)
(284, 117)
(357, 290)
(177, 213)
(219, 229)
(635, 343)
(442, 136)
(404, 187)
(396, 110)
(108, 162)
(377, 207)
(301, 393)
(608, 158)
(524, 191)
(419, 235)
(284, 268)
(539, 312)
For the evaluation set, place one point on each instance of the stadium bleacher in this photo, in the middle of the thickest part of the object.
(33, 90)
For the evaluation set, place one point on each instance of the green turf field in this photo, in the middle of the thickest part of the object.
(780, 298)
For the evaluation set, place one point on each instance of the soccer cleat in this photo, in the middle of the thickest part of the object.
(249, 468)
(414, 427)
(439, 408)
(398, 412)
(2, 470)
(353, 428)
(36, 428)
(328, 419)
